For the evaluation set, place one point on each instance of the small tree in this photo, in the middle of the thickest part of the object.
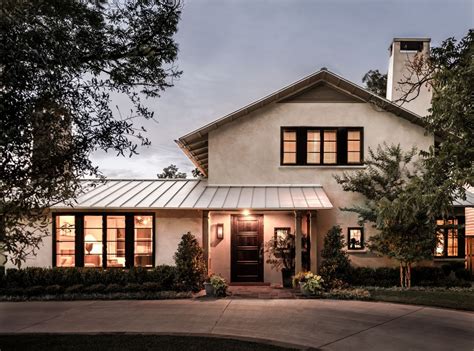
(399, 203)
(171, 172)
(335, 264)
(190, 263)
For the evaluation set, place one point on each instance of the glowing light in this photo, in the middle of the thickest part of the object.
(245, 212)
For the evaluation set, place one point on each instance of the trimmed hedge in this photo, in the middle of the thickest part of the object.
(449, 275)
(161, 278)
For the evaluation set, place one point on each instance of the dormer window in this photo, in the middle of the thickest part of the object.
(325, 146)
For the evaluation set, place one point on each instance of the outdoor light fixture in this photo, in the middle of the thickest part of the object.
(245, 212)
(220, 231)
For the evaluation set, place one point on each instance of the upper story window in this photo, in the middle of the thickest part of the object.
(411, 46)
(306, 146)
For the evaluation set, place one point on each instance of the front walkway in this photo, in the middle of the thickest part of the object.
(323, 324)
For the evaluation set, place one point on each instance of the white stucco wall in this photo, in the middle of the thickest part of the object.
(247, 151)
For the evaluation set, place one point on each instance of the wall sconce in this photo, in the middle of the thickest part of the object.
(220, 231)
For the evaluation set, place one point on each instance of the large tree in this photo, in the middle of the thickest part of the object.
(398, 203)
(62, 63)
(376, 82)
(171, 172)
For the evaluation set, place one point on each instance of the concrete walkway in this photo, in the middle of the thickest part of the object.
(324, 324)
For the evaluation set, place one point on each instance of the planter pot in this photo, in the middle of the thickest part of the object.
(209, 289)
(286, 277)
(303, 290)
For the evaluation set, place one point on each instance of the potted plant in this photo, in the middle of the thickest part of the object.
(281, 255)
(219, 285)
(310, 284)
(209, 287)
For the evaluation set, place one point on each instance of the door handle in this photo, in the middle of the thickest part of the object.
(260, 253)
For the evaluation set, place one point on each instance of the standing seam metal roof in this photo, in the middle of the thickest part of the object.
(197, 194)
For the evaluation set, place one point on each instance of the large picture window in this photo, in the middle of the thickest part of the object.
(322, 146)
(103, 240)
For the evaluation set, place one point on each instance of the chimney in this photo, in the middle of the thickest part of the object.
(402, 52)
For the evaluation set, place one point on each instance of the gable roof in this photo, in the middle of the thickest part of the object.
(195, 144)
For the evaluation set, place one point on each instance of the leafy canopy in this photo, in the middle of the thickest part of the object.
(171, 172)
(62, 62)
(376, 82)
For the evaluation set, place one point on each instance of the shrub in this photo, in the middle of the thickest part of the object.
(132, 287)
(348, 294)
(34, 290)
(314, 285)
(151, 286)
(335, 264)
(74, 289)
(219, 284)
(165, 275)
(54, 289)
(190, 265)
(113, 288)
(96, 288)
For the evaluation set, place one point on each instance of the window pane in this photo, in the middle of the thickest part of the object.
(330, 135)
(143, 249)
(353, 145)
(289, 146)
(313, 157)
(353, 135)
(313, 146)
(115, 221)
(92, 241)
(353, 157)
(329, 158)
(65, 241)
(314, 135)
(289, 135)
(439, 251)
(452, 242)
(289, 158)
(355, 239)
(329, 146)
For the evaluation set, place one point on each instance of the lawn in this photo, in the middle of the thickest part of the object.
(131, 342)
(462, 299)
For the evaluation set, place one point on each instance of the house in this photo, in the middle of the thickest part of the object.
(269, 170)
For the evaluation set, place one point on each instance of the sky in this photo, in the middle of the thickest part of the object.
(235, 52)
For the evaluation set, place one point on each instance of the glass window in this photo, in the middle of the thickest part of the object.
(93, 241)
(356, 238)
(447, 234)
(313, 147)
(289, 147)
(354, 146)
(65, 241)
(115, 241)
(143, 254)
(330, 147)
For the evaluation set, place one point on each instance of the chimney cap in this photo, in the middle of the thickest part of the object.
(412, 39)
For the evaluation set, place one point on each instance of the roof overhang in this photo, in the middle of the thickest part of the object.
(184, 194)
(195, 144)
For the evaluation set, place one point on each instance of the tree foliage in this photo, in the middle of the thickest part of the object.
(335, 264)
(190, 263)
(376, 82)
(171, 172)
(449, 73)
(398, 203)
(62, 62)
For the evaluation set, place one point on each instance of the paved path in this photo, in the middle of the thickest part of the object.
(324, 324)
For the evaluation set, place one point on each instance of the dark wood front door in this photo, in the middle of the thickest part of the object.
(247, 249)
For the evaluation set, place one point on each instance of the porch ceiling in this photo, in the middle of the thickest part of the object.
(197, 194)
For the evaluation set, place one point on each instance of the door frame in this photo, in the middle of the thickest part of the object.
(234, 219)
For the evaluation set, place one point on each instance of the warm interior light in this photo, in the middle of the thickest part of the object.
(245, 212)
(220, 231)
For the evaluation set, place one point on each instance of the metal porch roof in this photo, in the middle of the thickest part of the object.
(197, 194)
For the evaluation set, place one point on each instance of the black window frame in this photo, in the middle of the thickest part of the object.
(302, 149)
(79, 237)
(362, 239)
(461, 237)
(411, 45)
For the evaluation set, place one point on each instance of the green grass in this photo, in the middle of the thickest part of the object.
(115, 342)
(461, 299)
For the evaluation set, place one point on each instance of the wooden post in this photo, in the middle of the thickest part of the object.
(205, 237)
(314, 241)
(298, 237)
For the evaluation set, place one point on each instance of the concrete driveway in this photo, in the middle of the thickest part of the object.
(323, 324)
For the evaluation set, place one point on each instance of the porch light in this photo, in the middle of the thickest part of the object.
(220, 231)
(245, 212)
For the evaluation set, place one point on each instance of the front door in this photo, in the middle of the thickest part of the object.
(470, 254)
(247, 249)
